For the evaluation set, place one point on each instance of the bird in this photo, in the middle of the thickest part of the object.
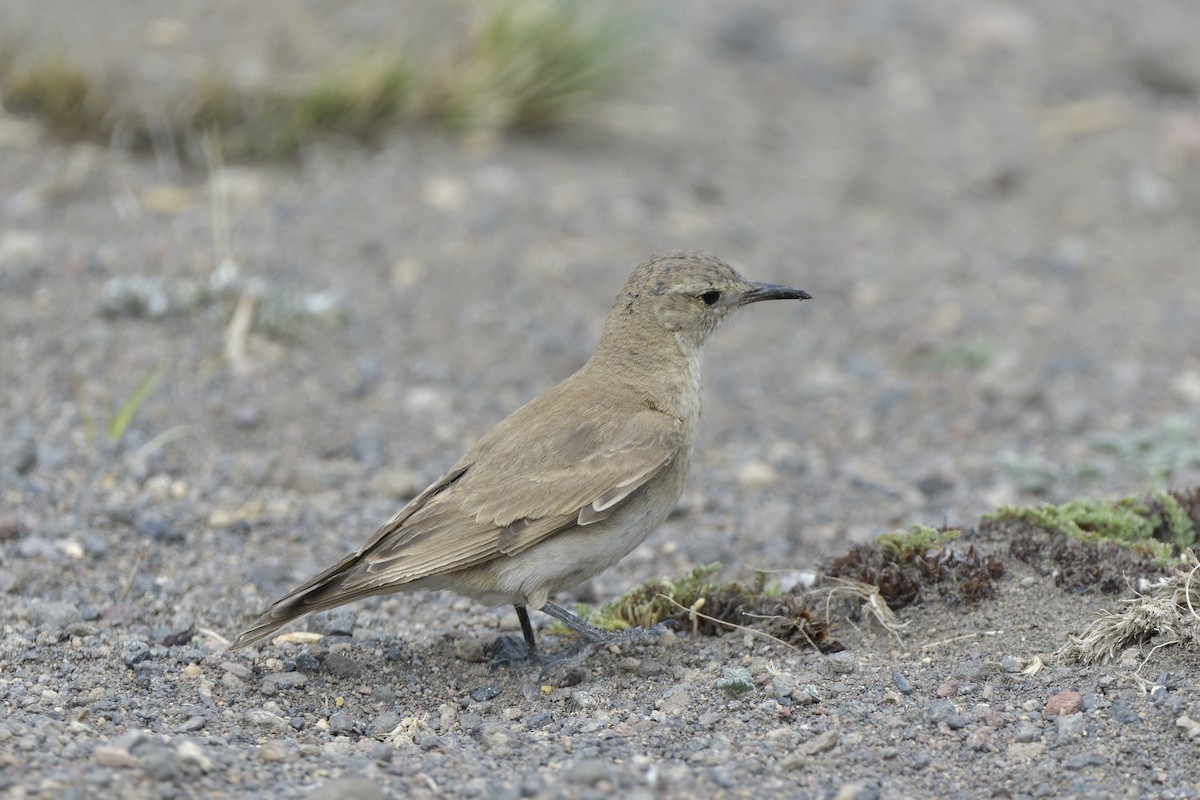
(569, 483)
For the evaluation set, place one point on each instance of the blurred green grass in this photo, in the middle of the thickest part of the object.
(518, 64)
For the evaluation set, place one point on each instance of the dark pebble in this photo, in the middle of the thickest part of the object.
(902, 683)
(340, 665)
(944, 711)
(1123, 713)
(1082, 760)
(306, 662)
(192, 724)
(341, 722)
(20, 455)
(484, 693)
(160, 764)
(932, 485)
(158, 527)
(272, 683)
(974, 671)
(10, 527)
(134, 652)
(336, 622)
(384, 724)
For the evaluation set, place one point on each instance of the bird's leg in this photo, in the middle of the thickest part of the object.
(531, 651)
(600, 636)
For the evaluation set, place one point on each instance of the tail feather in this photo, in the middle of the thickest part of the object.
(325, 591)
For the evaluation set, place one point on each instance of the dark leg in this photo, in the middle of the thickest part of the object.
(527, 632)
(600, 636)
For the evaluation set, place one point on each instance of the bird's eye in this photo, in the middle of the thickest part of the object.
(710, 297)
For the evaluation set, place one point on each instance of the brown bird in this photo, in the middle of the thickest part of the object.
(571, 482)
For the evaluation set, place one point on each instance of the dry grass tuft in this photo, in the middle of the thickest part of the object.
(1170, 612)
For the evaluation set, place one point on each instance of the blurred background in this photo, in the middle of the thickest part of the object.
(268, 268)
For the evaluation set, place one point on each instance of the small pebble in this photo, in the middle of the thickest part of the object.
(116, 757)
(274, 750)
(484, 693)
(1065, 702)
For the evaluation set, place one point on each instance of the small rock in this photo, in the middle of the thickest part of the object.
(307, 662)
(756, 474)
(470, 650)
(116, 757)
(1081, 760)
(37, 547)
(1071, 726)
(973, 671)
(53, 614)
(902, 683)
(246, 416)
(1122, 713)
(341, 722)
(629, 664)
(234, 668)
(274, 750)
(10, 527)
(384, 724)
(20, 455)
(857, 791)
(1189, 727)
(933, 485)
(262, 718)
(784, 685)
(801, 755)
(589, 772)
(340, 665)
(160, 764)
(192, 724)
(134, 652)
(1064, 702)
(650, 668)
(945, 711)
(947, 689)
(1027, 733)
(192, 758)
(335, 622)
(484, 693)
(276, 681)
(842, 663)
(1167, 64)
(1011, 664)
(1026, 751)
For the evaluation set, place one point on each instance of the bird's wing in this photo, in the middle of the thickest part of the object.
(505, 495)
(515, 494)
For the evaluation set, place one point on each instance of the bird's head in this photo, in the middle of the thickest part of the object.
(689, 294)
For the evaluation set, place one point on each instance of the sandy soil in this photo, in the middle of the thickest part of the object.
(996, 208)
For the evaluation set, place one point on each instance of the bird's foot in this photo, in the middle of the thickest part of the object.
(567, 670)
(599, 636)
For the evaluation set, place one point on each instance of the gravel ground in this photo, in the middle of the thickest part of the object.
(995, 207)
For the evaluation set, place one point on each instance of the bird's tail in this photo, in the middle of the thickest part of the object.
(334, 587)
